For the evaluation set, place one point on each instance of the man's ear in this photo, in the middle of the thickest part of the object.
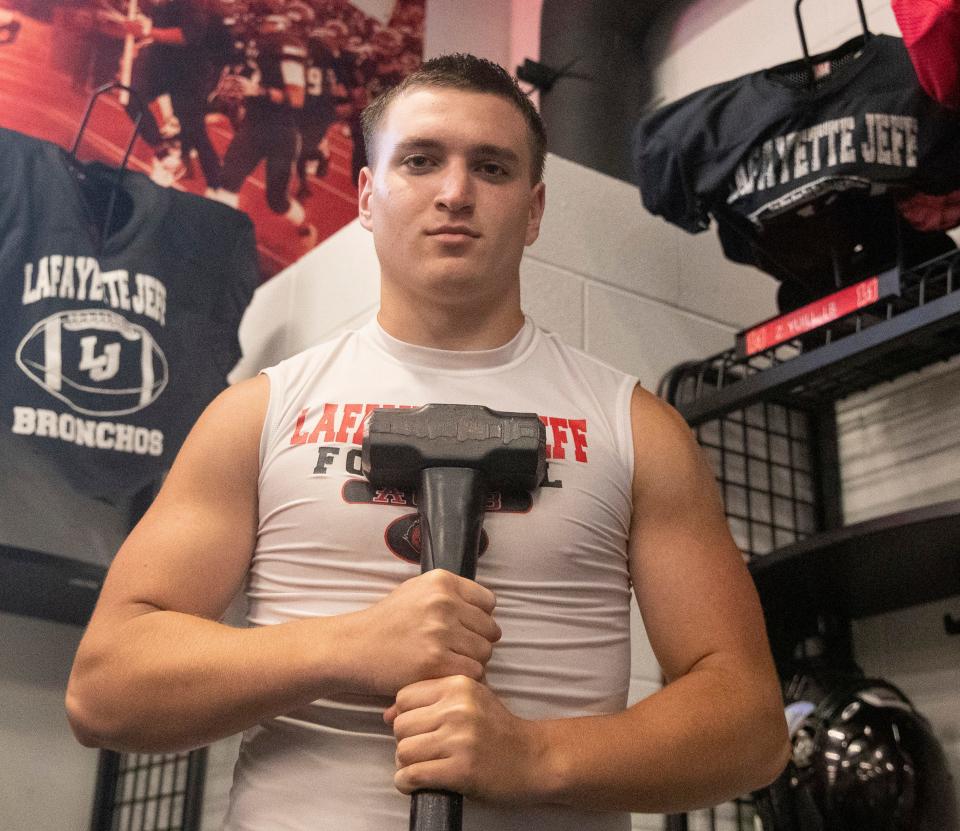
(365, 190)
(537, 204)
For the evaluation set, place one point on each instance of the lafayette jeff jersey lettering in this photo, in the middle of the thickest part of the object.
(763, 153)
(109, 356)
(330, 543)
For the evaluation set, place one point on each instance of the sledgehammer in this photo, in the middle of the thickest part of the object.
(453, 454)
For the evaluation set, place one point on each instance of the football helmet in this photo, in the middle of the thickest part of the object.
(863, 759)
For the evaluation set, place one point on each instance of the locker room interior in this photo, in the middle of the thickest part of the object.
(611, 279)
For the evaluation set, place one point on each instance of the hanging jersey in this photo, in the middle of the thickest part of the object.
(784, 167)
(329, 543)
(109, 356)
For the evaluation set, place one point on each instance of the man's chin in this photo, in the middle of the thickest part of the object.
(453, 280)
(451, 275)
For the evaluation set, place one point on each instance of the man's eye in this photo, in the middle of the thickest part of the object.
(417, 162)
(493, 169)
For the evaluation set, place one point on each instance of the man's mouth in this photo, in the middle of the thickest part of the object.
(453, 231)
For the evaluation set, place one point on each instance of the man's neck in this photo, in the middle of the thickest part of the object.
(455, 329)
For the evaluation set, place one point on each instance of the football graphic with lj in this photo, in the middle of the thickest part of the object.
(95, 361)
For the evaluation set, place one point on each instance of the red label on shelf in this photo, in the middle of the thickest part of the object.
(812, 316)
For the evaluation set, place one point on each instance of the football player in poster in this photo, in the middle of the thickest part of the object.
(273, 82)
(174, 60)
(329, 68)
(238, 95)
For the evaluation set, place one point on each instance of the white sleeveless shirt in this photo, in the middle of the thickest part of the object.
(329, 543)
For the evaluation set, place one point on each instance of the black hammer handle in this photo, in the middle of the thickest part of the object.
(451, 519)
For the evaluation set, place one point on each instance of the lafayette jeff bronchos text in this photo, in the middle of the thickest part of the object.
(102, 435)
(80, 278)
(872, 138)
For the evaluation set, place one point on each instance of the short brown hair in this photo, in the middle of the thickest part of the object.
(466, 72)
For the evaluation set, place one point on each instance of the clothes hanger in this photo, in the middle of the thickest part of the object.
(91, 187)
(867, 34)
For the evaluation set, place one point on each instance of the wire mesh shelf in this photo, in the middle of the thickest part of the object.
(761, 458)
(914, 328)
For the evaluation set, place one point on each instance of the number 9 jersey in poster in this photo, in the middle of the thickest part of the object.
(109, 351)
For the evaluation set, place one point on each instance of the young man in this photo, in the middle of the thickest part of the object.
(362, 680)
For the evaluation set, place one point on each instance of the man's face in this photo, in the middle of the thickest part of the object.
(449, 200)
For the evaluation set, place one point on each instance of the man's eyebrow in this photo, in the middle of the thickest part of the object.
(495, 151)
(486, 151)
(412, 145)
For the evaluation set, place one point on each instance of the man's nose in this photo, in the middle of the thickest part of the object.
(456, 193)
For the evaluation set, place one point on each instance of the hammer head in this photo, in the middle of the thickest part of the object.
(509, 449)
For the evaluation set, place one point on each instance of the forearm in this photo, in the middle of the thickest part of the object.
(151, 680)
(697, 742)
(167, 681)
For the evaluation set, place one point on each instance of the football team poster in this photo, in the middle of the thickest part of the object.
(254, 103)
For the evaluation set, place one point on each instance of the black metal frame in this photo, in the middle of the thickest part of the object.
(741, 812)
(47, 586)
(762, 459)
(876, 344)
(149, 792)
(773, 412)
(775, 467)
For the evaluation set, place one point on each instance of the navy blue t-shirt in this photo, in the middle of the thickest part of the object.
(108, 354)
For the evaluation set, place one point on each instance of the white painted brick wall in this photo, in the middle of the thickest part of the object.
(47, 778)
(554, 296)
(898, 443)
(334, 287)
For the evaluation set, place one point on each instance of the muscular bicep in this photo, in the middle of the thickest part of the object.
(190, 551)
(694, 591)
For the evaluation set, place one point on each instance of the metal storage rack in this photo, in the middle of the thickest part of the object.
(919, 326)
(149, 792)
(767, 422)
